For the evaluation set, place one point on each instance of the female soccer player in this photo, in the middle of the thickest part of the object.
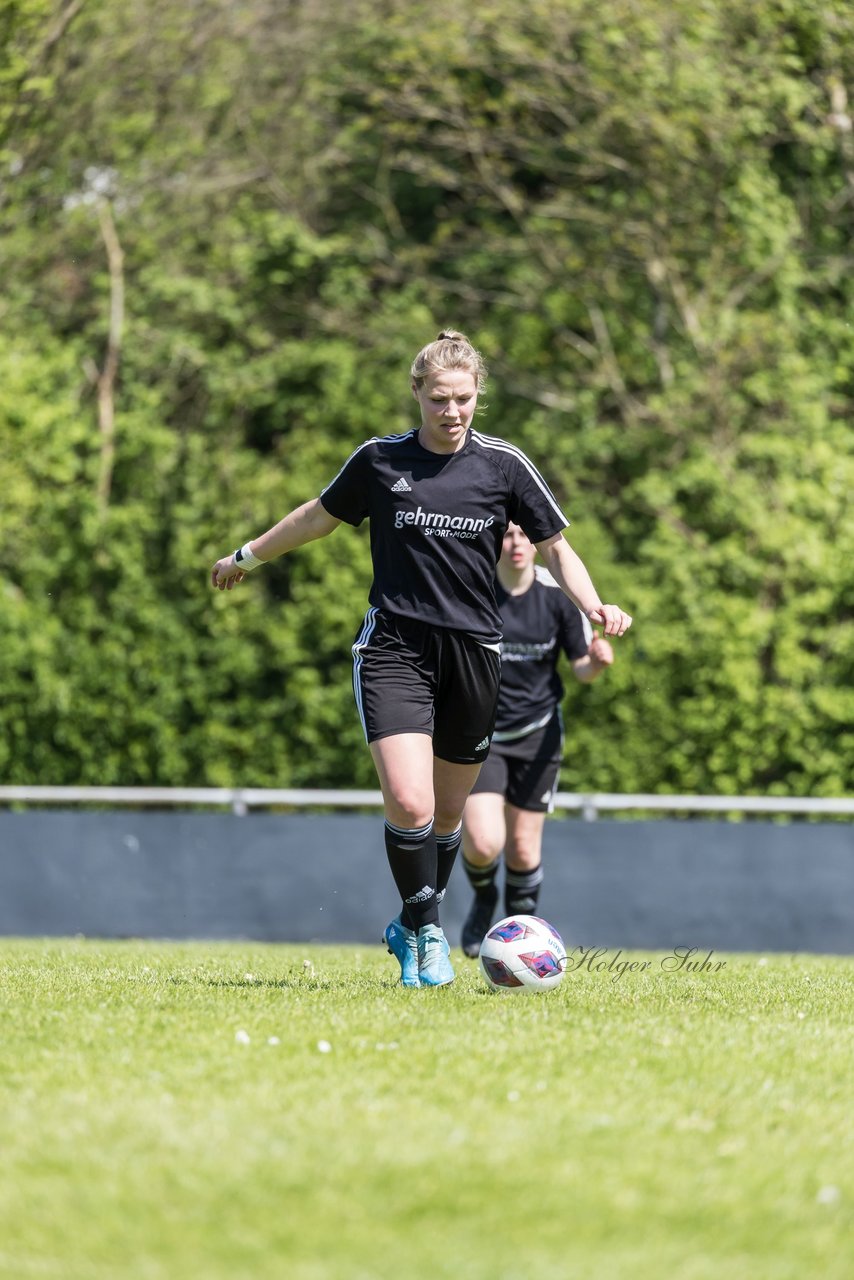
(426, 659)
(515, 788)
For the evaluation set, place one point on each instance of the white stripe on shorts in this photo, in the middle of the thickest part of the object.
(368, 627)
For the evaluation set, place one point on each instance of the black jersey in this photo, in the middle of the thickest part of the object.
(437, 523)
(538, 625)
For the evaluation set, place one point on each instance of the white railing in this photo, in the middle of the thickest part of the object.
(241, 799)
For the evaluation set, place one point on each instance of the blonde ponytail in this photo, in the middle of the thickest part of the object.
(451, 350)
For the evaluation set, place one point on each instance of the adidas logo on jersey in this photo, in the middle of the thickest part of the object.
(401, 486)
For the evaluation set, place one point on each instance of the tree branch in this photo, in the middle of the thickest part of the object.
(106, 380)
(65, 17)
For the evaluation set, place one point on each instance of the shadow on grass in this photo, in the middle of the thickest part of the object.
(298, 980)
(292, 982)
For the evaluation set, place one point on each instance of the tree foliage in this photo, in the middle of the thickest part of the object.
(226, 229)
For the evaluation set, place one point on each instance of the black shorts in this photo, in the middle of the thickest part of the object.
(411, 678)
(525, 771)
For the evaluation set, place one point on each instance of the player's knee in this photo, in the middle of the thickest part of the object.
(481, 848)
(523, 856)
(409, 809)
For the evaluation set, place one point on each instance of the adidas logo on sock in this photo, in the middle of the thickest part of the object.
(401, 486)
(422, 895)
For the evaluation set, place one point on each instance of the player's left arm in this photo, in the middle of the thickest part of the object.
(570, 573)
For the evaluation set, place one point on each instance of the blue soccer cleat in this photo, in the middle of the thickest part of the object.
(434, 966)
(403, 945)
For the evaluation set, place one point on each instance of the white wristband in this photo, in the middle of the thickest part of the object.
(244, 557)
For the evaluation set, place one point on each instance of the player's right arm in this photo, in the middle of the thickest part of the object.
(304, 524)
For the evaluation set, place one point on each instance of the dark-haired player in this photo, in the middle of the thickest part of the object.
(426, 659)
(515, 788)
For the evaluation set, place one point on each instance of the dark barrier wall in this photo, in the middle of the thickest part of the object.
(743, 886)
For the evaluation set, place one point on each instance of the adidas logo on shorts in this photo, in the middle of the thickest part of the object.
(401, 486)
(481, 746)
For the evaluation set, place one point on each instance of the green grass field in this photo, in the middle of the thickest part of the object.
(235, 1110)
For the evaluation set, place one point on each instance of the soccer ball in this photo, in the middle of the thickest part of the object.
(522, 954)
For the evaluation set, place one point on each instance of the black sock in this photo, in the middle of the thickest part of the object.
(447, 848)
(482, 879)
(412, 858)
(522, 891)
